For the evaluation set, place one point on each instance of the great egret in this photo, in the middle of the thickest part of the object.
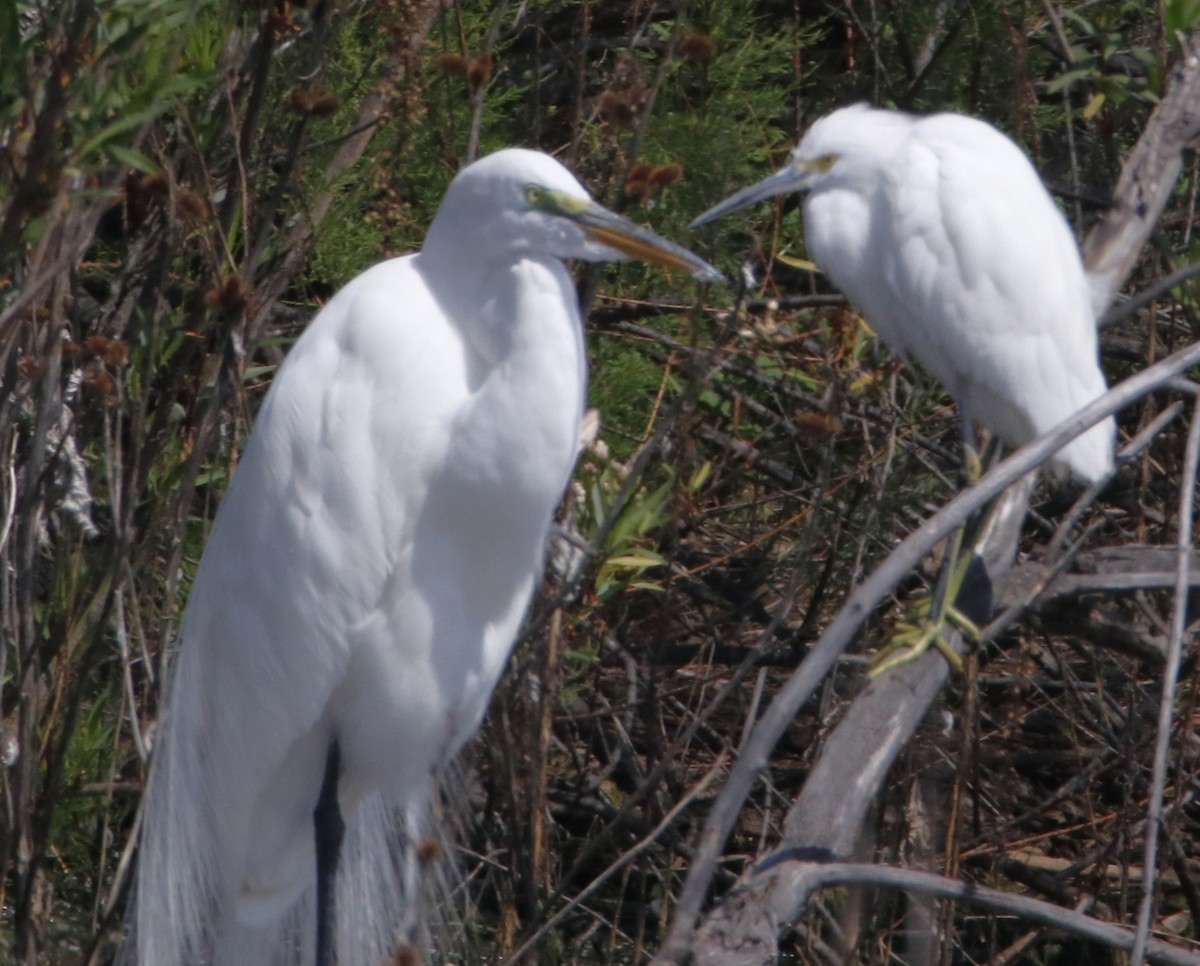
(939, 230)
(366, 575)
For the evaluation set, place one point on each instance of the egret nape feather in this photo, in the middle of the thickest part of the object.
(939, 230)
(368, 570)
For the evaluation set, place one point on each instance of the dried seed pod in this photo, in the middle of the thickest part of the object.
(116, 354)
(816, 425)
(639, 172)
(452, 64)
(299, 101)
(190, 207)
(326, 105)
(230, 296)
(617, 109)
(279, 20)
(637, 181)
(665, 175)
(29, 368)
(479, 72)
(429, 850)
(99, 383)
(406, 955)
(694, 46)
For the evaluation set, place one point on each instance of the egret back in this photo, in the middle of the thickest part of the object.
(940, 231)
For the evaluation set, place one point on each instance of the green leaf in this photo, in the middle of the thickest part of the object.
(1070, 77)
(132, 158)
(638, 558)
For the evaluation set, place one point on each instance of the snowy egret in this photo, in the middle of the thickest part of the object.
(940, 231)
(366, 575)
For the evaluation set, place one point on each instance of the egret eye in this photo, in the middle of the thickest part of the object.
(534, 195)
(823, 163)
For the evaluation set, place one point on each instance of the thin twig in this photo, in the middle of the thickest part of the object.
(479, 95)
(1166, 707)
(1135, 303)
(630, 854)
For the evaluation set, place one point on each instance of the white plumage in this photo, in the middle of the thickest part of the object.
(368, 571)
(940, 231)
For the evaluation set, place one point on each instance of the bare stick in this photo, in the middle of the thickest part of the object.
(1147, 179)
(1166, 705)
(817, 875)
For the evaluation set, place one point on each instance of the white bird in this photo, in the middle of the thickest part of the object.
(368, 571)
(940, 231)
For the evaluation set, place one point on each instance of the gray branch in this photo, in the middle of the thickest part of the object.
(809, 877)
(1147, 179)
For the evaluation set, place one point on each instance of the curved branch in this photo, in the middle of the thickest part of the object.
(809, 877)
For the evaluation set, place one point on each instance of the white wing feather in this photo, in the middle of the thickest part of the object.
(960, 260)
(359, 560)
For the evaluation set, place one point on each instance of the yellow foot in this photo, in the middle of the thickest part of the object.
(911, 640)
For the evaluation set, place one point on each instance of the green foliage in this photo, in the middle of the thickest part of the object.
(349, 243)
(1180, 17)
(628, 556)
(1093, 53)
(623, 386)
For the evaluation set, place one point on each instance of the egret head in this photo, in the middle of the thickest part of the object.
(517, 202)
(845, 149)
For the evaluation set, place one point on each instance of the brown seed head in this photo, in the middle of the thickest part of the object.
(637, 181)
(326, 105)
(279, 20)
(116, 354)
(452, 64)
(616, 109)
(29, 368)
(479, 72)
(429, 850)
(637, 177)
(99, 383)
(639, 172)
(97, 345)
(816, 425)
(405, 955)
(190, 207)
(299, 101)
(666, 175)
(694, 46)
(230, 296)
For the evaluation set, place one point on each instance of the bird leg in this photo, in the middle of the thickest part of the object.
(914, 637)
(328, 828)
(972, 462)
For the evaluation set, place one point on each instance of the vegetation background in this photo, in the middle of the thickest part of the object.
(184, 182)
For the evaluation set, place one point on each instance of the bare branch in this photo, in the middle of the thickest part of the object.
(1166, 706)
(1147, 179)
(809, 877)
